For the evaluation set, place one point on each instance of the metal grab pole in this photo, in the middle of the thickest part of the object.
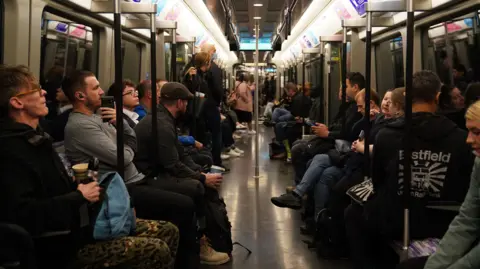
(257, 165)
(368, 74)
(117, 28)
(344, 74)
(344, 67)
(407, 176)
(173, 60)
(153, 79)
(303, 72)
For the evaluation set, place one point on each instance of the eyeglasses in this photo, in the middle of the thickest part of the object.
(132, 93)
(34, 90)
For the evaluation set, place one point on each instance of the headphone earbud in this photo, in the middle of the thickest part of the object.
(80, 95)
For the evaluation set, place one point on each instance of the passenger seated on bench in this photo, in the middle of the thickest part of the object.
(295, 109)
(348, 114)
(441, 166)
(324, 171)
(37, 193)
(88, 135)
(392, 108)
(55, 125)
(144, 90)
(173, 167)
(299, 110)
(130, 101)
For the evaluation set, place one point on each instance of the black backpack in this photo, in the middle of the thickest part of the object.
(218, 227)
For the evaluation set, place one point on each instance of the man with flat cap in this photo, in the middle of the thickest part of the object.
(173, 162)
(173, 171)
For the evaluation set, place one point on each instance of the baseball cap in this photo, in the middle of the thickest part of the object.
(175, 91)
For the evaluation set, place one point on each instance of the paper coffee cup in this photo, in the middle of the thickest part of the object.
(80, 171)
(217, 169)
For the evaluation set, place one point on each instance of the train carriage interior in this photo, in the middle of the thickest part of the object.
(239, 134)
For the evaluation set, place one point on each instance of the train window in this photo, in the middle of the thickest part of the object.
(66, 46)
(389, 64)
(131, 55)
(452, 46)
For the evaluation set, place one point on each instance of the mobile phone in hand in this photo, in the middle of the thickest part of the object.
(361, 136)
(108, 101)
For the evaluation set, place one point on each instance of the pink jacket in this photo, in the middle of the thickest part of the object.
(244, 101)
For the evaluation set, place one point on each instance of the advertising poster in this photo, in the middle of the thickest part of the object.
(160, 5)
(341, 11)
(359, 6)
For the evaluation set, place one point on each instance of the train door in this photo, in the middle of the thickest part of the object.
(66, 45)
(451, 46)
(332, 69)
(131, 60)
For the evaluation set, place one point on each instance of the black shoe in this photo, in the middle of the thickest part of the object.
(308, 228)
(287, 200)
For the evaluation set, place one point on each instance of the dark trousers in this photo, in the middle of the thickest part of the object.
(189, 187)
(202, 157)
(156, 203)
(227, 133)
(368, 249)
(300, 158)
(212, 117)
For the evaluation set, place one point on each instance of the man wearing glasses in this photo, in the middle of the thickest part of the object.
(130, 101)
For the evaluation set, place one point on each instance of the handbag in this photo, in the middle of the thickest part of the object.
(233, 98)
(360, 193)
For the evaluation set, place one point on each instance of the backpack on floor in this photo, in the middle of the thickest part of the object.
(218, 226)
(113, 217)
(275, 148)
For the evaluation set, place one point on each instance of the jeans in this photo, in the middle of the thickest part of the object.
(329, 178)
(300, 158)
(281, 131)
(321, 174)
(281, 115)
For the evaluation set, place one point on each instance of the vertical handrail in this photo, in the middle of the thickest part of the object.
(153, 79)
(368, 75)
(303, 71)
(117, 28)
(408, 123)
(173, 59)
(67, 43)
(344, 73)
(257, 161)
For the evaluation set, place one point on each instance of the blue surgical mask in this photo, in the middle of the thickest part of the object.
(214, 56)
